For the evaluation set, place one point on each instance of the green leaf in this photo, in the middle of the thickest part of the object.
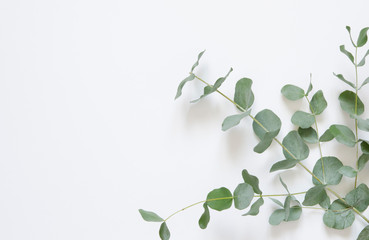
(295, 213)
(243, 95)
(315, 195)
(205, 217)
(331, 173)
(325, 203)
(296, 146)
(310, 87)
(302, 119)
(265, 142)
(363, 159)
(327, 136)
(224, 196)
(347, 102)
(150, 216)
(292, 92)
(181, 85)
(287, 207)
(359, 197)
(277, 217)
(363, 38)
(164, 232)
(364, 234)
(252, 180)
(363, 124)
(210, 89)
(318, 103)
(340, 76)
(309, 135)
(362, 62)
(343, 135)
(284, 184)
(348, 28)
(243, 196)
(284, 164)
(255, 207)
(197, 62)
(339, 215)
(233, 120)
(366, 81)
(277, 202)
(347, 53)
(348, 171)
(364, 147)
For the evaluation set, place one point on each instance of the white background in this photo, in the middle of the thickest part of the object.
(90, 131)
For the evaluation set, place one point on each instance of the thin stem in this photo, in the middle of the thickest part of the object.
(356, 131)
(317, 208)
(280, 195)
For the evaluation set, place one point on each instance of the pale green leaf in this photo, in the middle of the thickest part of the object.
(276, 201)
(233, 120)
(265, 142)
(347, 101)
(341, 77)
(284, 164)
(150, 216)
(343, 135)
(364, 234)
(347, 53)
(363, 38)
(287, 207)
(255, 207)
(363, 159)
(309, 135)
(363, 124)
(348, 171)
(197, 62)
(243, 196)
(331, 174)
(164, 232)
(181, 84)
(277, 217)
(339, 215)
(310, 87)
(318, 103)
(219, 199)
(252, 180)
(284, 184)
(205, 217)
(358, 197)
(362, 62)
(325, 203)
(302, 119)
(243, 95)
(366, 81)
(327, 136)
(292, 92)
(315, 195)
(294, 214)
(295, 146)
(348, 28)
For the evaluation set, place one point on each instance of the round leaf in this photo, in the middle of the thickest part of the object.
(339, 215)
(315, 195)
(219, 199)
(309, 135)
(269, 121)
(343, 135)
(318, 103)
(302, 119)
(296, 146)
(243, 195)
(331, 174)
(243, 95)
(292, 92)
(277, 217)
(347, 101)
(359, 197)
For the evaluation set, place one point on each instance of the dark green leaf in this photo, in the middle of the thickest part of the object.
(343, 135)
(315, 195)
(318, 103)
(364, 234)
(363, 38)
(327, 136)
(292, 92)
(184, 81)
(348, 171)
(331, 174)
(364, 147)
(243, 95)
(363, 159)
(284, 164)
(366, 81)
(255, 207)
(296, 146)
(150, 216)
(358, 198)
(339, 215)
(277, 217)
(197, 62)
(347, 53)
(265, 142)
(243, 195)
(340, 76)
(164, 232)
(363, 124)
(349, 31)
(309, 135)
(277, 202)
(347, 101)
(205, 217)
(233, 120)
(362, 62)
(252, 180)
(219, 199)
(302, 119)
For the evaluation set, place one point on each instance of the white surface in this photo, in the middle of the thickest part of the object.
(89, 131)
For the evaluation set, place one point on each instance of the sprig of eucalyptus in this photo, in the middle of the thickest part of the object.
(328, 170)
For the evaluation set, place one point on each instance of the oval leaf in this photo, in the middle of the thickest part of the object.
(150, 216)
(277, 217)
(318, 103)
(363, 159)
(243, 95)
(359, 197)
(295, 146)
(332, 176)
(339, 215)
(347, 101)
(315, 195)
(364, 234)
(292, 92)
(363, 124)
(348, 171)
(205, 217)
(327, 136)
(343, 135)
(164, 232)
(269, 120)
(243, 196)
(255, 207)
(219, 199)
(284, 164)
(363, 38)
(233, 120)
(309, 135)
(302, 119)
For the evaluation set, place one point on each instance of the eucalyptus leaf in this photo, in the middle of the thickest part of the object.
(243, 95)
(197, 62)
(302, 119)
(343, 135)
(363, 124)
(358, 197)
(309, 88)
(309, 135)
(364, 147)
(277, 217)
(331, 175)
(339, 219)
(205, 217)
(347, 101)
(366, 81)
(243, 196)
(294, 214)
(252, 180)
(181, 84)
(348, 171)
(219, 199)
(362, 62)
(363, 38)
(255, 207)
(315, 195)
(348, 28)
(347, 53)
(276, 201)
(364, 234)
(284, 164)
(233, 120)
(287, 207)
(325, 203)
(327, 136)
(284, 184)
(342, 78)
(270, 122)
(164, 232)
(292, 92)
(318, 103)
(295, 146)
(150, 216)
(361, 162)
(265, 142)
